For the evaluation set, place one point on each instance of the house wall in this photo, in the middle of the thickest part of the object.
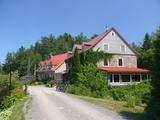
(62, 68)
(129, 61)
(114, 43)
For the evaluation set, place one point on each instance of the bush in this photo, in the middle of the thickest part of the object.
(132, 94)
(132, 101)
(4, 115)
(8, 101)
(37, 83)
(78, 90)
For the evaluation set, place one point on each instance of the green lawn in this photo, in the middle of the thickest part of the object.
(137, 112)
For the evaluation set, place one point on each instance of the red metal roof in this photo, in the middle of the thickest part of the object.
(123, 70)
(91, 43)
(57, 59)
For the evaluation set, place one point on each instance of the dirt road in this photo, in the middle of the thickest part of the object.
(48, 104)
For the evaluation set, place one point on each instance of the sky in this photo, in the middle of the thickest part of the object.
(23, 22)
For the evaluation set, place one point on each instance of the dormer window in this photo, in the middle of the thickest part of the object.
(122, 48)
(106, 47)
(120, 62)
(113, 34)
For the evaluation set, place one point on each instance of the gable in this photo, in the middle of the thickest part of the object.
(115, 44)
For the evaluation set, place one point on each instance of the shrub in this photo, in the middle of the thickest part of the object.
(37, 83)
(8, 101)
(132, 94)
(4, 115)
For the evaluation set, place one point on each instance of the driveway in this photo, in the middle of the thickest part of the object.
(48, 104)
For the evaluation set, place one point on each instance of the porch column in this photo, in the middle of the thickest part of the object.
(147, 76)
(131, 78)
(120, 78)
(108, 77)
(112, 78)
(140, 77)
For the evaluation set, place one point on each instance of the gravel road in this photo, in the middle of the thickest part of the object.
(48, 104)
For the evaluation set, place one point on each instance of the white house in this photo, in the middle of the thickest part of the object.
(120, 70)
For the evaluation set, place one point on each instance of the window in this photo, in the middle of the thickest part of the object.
(106, 47)
(122, 48)
(106, 62)
(112, 33)
(125, 78)
(120, 62)
(111, 79)
(136, 78)
(116, 78)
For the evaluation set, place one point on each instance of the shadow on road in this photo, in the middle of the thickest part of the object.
(134, 116)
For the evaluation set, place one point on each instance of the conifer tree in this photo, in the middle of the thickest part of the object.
(153, 108)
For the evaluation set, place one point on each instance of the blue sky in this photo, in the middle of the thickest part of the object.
(23, 22)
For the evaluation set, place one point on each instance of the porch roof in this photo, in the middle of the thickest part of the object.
(123, 70)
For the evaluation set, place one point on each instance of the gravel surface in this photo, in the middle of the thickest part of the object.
(48, 104)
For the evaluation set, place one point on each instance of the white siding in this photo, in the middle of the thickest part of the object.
(62, 68)
(114, 43)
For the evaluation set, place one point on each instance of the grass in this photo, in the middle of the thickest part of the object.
(17, 110)
(137, 112)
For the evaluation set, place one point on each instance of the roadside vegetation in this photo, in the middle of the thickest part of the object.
(11, 98)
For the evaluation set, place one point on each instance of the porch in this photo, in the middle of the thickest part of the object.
(46, 76)
(118, 76)
(120, 79)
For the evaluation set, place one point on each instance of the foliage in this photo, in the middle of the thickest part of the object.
(4, 83)
(4, 115)
(26, 61)
(153, 108)
(133, 94)
(146, 59)
(4, 79)
(16, 112)
(91, 56)
(90, 82)
(76, 66)
(50, 83)
(147, 44)
(37, 83)
(8, 101)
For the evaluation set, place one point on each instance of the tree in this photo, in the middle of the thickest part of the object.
(145, 59)
(80, 38)
(10, 66)
(1, 68)
(153, 108)
(147, 42)
(76, 66)
(93, 36)
(136, 47)
(90, 82)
